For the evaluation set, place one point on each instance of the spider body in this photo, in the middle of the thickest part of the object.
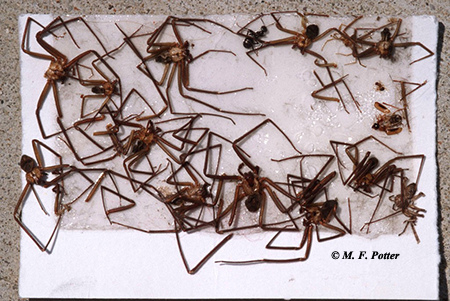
(252, 188)
(319, 213)
(34, 174)
(306, 37)
(385, 47)
(143, 138)
(57, 69)
(172, 53)
(106, 88)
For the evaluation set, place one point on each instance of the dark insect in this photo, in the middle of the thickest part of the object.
(379, 86)
(253, 37)
(390, 123)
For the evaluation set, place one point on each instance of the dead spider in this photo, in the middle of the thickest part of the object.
(60, 67)
(386, 45)
(404, 203)
(301, 40)
(38, 174)
(365, 174)
(315, 215)
(176, 57)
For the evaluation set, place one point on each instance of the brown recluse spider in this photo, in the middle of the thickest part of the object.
(349, 41)
(301, 40)
(253, 188)
(191, 196)
(176, 57)
(316, 214)
(364, 175)
(385, 47)
(251, 185)
(238, 177)
(101, 88)
(310, 188)
(196, 194)
(405, 203)
(141, 139)
(60, 66)
(113, 130)
(353, 41)
(390, 165)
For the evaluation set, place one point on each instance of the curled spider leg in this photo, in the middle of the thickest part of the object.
(317, 93)
(205, 259)
(307, 238)
(44, 247)
(130, 203)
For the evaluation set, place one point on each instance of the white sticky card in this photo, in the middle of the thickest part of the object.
(92, 259)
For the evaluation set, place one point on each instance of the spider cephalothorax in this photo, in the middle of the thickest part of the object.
(252, 188)
(175, 53)
(107, 88)
(319, 213)
(56, 70)
(34, 174)
(385, 47)
(305, 38)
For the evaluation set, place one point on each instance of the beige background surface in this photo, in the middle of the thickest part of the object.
(10, 122)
